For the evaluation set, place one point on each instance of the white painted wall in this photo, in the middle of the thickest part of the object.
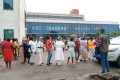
(13, 19)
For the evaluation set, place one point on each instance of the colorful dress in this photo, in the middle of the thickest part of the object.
(8, 51)
(71, 50)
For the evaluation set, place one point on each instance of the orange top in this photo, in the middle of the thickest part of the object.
(91, 44)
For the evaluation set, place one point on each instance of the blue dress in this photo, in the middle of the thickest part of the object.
(26, 50)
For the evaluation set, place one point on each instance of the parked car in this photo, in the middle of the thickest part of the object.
(114, 51)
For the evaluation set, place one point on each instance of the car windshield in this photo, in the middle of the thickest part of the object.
(115, 41)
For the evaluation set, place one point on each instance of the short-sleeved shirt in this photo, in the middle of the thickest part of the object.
(91, 44)
(40, 44)
(71, 45)
(33, 46)
(26, 47)
(104, 43)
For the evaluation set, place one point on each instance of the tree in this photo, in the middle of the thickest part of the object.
(97, 34)
(115, 33)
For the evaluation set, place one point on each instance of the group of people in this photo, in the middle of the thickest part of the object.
(77, 50)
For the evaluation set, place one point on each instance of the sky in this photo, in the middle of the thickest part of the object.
(94, 10)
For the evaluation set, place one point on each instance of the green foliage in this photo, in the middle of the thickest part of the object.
(115, 33)
(97, 34)
(68, 35)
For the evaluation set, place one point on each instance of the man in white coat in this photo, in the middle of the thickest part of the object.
(59, 55)
(40, 50)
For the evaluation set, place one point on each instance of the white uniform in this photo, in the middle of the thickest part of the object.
(32, 52)
(40, 47)
(59, 55)
(83, 46)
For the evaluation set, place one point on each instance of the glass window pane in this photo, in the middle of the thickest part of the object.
(8, 33)
(8, 4)
(52, 27)
(49, 28)
(62, 28)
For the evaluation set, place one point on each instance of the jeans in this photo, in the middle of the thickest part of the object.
(104, 62)
(77, 55)
(49, 57)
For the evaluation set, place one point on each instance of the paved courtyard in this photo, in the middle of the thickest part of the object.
(53, 72)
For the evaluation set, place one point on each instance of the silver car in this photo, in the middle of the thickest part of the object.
(114, 53)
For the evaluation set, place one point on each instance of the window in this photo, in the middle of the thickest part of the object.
(49, 28)
(8, 33)
(8, 4)
(53, 28)
(62, 28)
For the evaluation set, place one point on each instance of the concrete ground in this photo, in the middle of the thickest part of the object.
(53, 72)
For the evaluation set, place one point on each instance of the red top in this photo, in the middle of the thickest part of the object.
(8, 51)
(77, 45)
(49, 45)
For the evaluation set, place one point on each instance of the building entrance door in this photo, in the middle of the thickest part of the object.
(8, 33)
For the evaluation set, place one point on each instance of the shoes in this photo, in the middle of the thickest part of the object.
(48, 64)
(85, 60)
(40, 65)
(102, 72)
(56, 64)
(81, 60)
(32, 64)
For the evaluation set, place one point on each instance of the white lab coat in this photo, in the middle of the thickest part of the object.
(59, 55)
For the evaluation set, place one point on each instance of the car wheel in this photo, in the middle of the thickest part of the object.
(118, 62)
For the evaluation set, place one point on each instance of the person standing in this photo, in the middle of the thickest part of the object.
(16, 48)
(59, 55)
(71, 51)
(104, 47)
(84, 53)
(40, 50)
(8, 53)
(49, 48)
(32, 50)
(91, 48)
(21, 51)
(97, 46)
(26, 48)
(77, 49)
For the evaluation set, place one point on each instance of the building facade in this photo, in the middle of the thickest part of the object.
(12, 19)
(16, 23)
(42, 24)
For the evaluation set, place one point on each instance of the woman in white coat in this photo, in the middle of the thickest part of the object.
(59, 55)
(40, 50)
